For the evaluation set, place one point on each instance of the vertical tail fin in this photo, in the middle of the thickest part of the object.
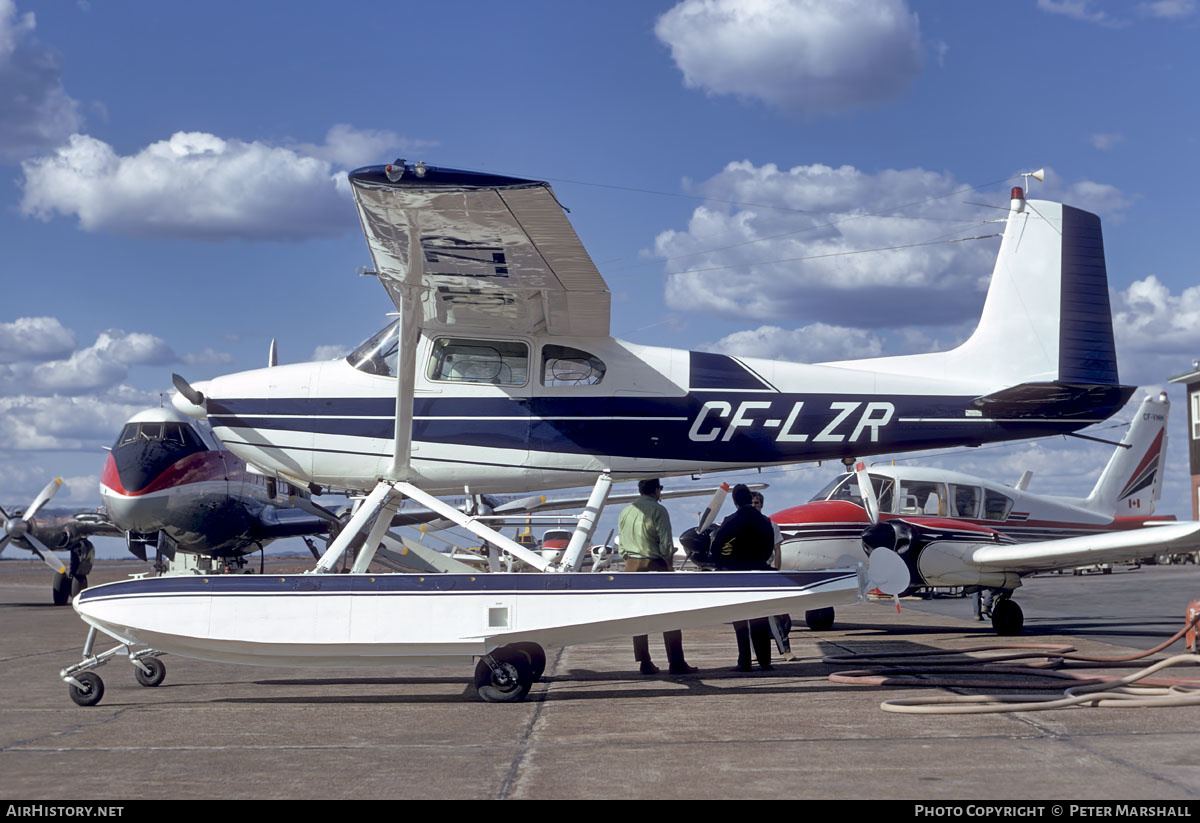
(1047, 316)
(1046, 321)
(1131, 483)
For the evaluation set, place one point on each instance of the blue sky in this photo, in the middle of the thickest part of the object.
(172, 193)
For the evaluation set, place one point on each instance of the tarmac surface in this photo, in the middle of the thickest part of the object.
(594, 727)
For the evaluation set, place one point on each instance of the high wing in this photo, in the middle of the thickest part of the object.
(1082, 551)
(479, 250)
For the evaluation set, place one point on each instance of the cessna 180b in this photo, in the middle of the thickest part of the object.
(953, 529)
(500, 374)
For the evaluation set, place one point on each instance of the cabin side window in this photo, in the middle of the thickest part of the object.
(498, 362)
(996, 506)
(565, 366)
(964, 501)
(922, 497)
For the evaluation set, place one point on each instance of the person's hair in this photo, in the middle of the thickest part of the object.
(742, 495)
(756, 497)
(649, 486)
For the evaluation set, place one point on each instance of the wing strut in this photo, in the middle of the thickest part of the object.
(408, 335)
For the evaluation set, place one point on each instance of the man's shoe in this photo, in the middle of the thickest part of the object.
(683, 669)
(766, 667)
(649, 668)
(740, 668)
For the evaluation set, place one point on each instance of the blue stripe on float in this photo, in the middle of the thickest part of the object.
(382, 584)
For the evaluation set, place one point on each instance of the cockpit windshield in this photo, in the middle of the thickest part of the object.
(378, 354)
(845, 487)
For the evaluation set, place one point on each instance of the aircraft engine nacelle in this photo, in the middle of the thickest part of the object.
(942, 563)
(806, 554)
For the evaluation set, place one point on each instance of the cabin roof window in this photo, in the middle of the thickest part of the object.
(378, 354)
(566, 366)
(461, 360)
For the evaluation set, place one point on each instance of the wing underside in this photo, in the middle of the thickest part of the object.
(480, 250)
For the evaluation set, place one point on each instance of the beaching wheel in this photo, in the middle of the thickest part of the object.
(509, 682)
(91, 693)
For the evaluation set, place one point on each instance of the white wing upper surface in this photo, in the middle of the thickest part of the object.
(481, 250)
(1107, 547)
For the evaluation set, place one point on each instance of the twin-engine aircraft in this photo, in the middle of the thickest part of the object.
(954, 529)
(500, 375)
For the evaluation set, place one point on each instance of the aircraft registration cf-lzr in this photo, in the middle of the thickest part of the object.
(500, 375)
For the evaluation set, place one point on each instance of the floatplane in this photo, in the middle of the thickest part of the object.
(499, 374)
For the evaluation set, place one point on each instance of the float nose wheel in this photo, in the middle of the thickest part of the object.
(153, 673)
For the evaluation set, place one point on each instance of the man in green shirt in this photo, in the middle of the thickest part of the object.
(644, 530)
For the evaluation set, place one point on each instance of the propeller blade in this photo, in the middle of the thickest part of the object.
(870, 503)
(48, 557)
(3, 543)
(51, 489)
(183, 387)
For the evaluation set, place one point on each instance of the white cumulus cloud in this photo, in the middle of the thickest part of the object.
(841, 246)
(193, 185)
(35, 110)
(814, 343)
(802, 56)
(34, 339)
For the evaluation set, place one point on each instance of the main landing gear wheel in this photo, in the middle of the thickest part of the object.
(1007, 618)
(819, 620)
(537, 657)
(61, 589)
(91, 693)
(509, 682)
(78, 584)
(158, 671)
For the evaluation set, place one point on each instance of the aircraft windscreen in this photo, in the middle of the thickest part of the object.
(378, 354)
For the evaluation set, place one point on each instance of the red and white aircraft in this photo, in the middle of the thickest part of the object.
(953, 529)
(170, 486)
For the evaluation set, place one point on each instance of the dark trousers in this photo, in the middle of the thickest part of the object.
(672, 640)
(756, 633)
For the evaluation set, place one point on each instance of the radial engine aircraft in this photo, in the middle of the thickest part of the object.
(500, 374)
(954, 529)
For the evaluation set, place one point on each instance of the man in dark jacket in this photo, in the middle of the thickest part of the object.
(746, 542)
